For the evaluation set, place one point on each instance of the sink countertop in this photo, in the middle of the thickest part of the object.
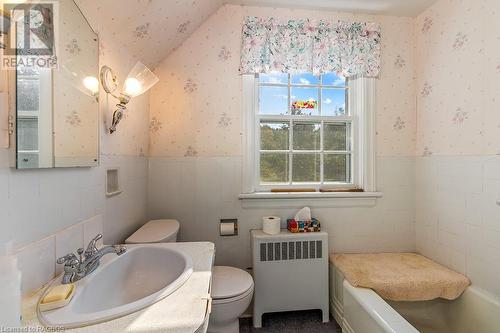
(183, 311)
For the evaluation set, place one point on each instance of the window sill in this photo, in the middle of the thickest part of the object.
(312, 199)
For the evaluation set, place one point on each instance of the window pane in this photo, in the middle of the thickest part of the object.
(27, 133)
(274, 136)
(273, 100)
(28, 94)
(306, 136)
(335, 168)
(273, 168)
(335, 136)
(274, 78)
(332, 79)
(306, 168)
(304, 101)
(304, 78)
(27, 160)
(333, 102)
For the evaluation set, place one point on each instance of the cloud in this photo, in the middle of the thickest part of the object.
(339, 82)
(304, 81)
(273, 126)
(327, 101)
(273, 79)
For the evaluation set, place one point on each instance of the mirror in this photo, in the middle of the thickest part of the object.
(57, 110)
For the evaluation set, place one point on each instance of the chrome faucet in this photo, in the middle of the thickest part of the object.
(76, 268)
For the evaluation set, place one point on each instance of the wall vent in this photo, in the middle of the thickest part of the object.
(296, 250)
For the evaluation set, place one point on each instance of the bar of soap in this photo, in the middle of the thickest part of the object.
(59, 293)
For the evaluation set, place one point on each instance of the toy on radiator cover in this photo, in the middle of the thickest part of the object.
(312, 225)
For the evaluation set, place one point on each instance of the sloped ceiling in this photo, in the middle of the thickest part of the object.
(150, 29)
(383, 7)
(147, 29)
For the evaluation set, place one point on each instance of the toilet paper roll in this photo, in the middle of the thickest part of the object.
(271, 225)
(227, 229)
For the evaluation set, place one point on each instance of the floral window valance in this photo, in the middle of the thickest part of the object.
(346, 48)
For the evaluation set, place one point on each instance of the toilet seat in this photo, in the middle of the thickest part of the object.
(248, 293)
(230, 284)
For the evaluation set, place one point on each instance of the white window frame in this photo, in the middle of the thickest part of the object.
(361, 105)
(291, 119)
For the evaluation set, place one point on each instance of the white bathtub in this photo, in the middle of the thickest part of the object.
(360, 310)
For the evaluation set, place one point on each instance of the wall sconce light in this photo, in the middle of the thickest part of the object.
(139, 80)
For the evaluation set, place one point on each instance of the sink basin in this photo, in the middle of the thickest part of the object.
(143, 275)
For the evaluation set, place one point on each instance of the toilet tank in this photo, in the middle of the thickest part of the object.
(155, 231)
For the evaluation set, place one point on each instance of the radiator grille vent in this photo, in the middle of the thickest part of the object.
(296, 250)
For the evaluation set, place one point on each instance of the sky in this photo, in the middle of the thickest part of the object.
(274, 100)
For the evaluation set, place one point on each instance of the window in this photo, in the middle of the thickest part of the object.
(307, 131)
(304, 129)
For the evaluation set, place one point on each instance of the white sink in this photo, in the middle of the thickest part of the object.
(143, 275)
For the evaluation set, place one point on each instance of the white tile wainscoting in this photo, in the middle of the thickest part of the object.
(199, 191)
(454, 201)
(457, 216)
(51, 212)
(37, 203)
(37, 261)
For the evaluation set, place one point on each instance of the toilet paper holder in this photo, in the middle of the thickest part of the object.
(228, 227)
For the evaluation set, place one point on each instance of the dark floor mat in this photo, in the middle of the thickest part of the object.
(291, 322)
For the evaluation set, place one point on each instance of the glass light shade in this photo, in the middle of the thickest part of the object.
(132, 87)
(139, 80)
(92, 84)
(79, 79)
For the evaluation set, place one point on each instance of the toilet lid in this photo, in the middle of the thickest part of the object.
(229, 282)
(154, 231)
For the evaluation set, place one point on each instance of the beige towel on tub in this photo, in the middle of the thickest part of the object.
(401, 276)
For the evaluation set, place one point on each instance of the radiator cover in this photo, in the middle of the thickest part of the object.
(290, 272)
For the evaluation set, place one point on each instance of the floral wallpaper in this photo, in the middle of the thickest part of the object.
(436, 95)
(458, 71)
(140, 26)
(198, 98)
(132, 137)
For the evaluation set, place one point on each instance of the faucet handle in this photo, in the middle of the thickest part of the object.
(68, 259)
(120, 249)
(80, 252)
(71, 266)
(95, 239)
(92, 247)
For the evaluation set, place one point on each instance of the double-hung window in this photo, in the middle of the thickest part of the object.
(308, 131)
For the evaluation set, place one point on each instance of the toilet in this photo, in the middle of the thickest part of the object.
(232, 288)
(155, 231)
(232, 292)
